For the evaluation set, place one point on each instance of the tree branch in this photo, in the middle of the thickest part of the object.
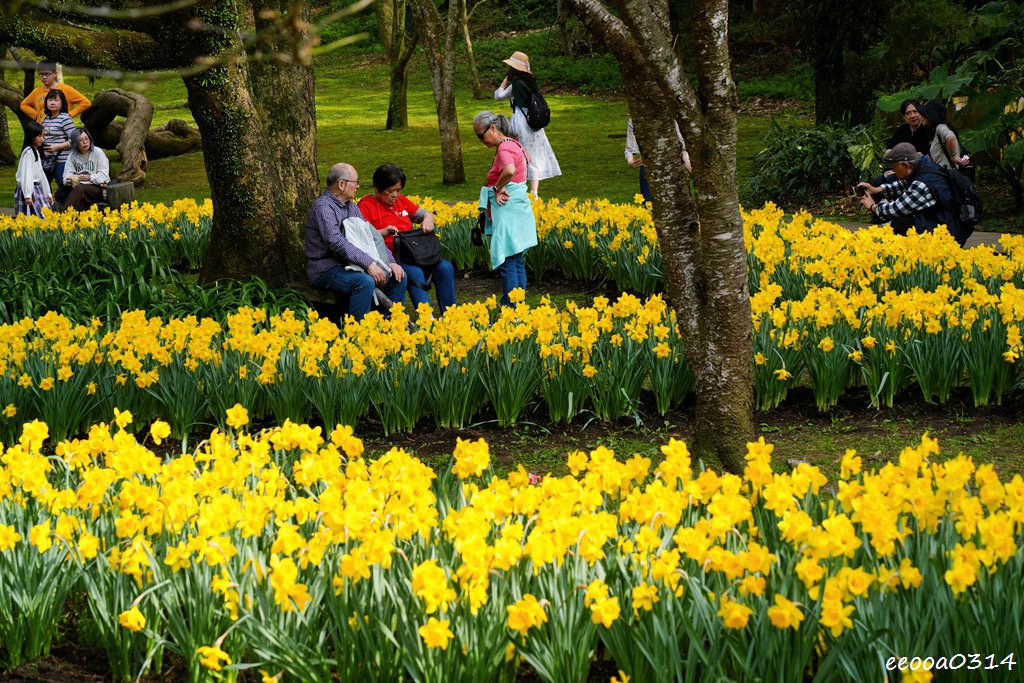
(410, 49)
(651, 22)
(613, 32)
(112, 50)
(105, 12)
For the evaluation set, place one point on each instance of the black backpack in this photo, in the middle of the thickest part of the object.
(966, 197)
(538, 114)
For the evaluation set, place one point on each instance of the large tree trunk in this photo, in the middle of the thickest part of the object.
(258, 122)
(131, 140)
(7, 157)
(705, 261)
(439, 47)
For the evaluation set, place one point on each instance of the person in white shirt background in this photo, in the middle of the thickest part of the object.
(33, 189)
(634, 157)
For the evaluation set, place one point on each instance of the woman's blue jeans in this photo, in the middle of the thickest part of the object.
(57, 173)
(513, 275)
(443, 279)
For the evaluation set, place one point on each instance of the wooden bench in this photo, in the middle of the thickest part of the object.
(328, 304)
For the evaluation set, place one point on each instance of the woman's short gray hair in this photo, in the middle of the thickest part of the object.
(487, 118)
(76, 135)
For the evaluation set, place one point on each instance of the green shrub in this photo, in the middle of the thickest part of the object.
(802, 165)
(596, 72)
(797, 84)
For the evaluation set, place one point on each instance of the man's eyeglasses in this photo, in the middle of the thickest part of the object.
(47, 73)
(346, 180)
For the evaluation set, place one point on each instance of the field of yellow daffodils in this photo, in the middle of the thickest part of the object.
(832, 309)
(286, 554)
(288, 551)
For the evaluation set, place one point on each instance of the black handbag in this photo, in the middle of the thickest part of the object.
(476, 235)
(418, 248)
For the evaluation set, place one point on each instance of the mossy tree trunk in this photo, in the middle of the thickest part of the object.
(438, 38)
(7, 94)
(701, 235)
(258, 124)
(7, 157)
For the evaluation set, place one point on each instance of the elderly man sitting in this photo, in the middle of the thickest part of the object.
(342, 250)
(921, 196)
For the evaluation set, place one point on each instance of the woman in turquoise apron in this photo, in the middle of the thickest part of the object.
(505, 209)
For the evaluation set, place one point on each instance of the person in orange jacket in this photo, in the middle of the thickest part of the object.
(34, 105)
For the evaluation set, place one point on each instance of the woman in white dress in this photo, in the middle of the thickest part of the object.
(518, 85)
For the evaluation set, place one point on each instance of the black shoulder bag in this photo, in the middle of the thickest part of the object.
(418, 248)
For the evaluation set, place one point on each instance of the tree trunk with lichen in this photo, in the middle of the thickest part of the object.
(262, 173)
(701, 236)
(438, 40)
(7, 157)
(258, 124)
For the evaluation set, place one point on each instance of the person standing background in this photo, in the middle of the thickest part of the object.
(519, 84)
(633, 152)
(32, 192)
(57, 127)
(34, 105)
(505, 210)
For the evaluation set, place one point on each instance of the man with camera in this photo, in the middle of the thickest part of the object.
(921, 196)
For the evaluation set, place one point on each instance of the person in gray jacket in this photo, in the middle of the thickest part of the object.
(86, 172)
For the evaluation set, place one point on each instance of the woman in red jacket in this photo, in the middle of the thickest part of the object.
(388, 210)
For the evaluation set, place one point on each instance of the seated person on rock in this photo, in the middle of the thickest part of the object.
(920, 197)
(86, 172)
(390, 212)
(344, 253)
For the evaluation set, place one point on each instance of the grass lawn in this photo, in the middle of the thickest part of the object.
(586, 132)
